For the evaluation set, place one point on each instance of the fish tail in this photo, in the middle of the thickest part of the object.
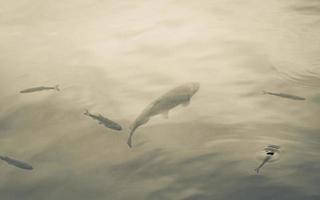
(257, 170)
(264, 92)
(57, 87)
(129, 142)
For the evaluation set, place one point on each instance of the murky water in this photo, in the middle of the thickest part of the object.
(116, 57)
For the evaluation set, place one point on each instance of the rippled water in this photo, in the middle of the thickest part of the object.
(115, 57)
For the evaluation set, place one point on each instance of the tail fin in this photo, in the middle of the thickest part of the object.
(129, 142)
(264, 92)
(257, 170)
(86, 112)
(57, 87)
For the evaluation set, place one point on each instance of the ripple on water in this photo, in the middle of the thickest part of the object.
(300, 76)
(273, 150)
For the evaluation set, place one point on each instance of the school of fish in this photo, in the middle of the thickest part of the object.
(180, 95)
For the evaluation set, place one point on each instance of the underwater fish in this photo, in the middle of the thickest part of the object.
(283, 95)
(41, 88)
(105, 121)
(178, 96)
(270, 151)
(267, 158)
(17, 163)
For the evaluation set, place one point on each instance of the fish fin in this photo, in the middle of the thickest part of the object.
(264, 92)
(166, 114)
(129, 142)
(186, 103)
(57, 87)
(86, 112)
(257, 170)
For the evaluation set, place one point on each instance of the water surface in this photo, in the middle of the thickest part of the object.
(115, 57)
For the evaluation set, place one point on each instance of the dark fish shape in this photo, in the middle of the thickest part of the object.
(16, 163)
(270, 150)
(267, 158)
(41, 88)
(283, 95)
(178, 96)
(105, 121)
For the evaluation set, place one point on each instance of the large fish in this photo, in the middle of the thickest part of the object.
(177, 96)
(17, 163)
(41, 88)
(105, 121)
(283, 95)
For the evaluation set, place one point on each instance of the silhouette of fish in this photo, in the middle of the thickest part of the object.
(16, 163)
(267, 158)
(105, 121)
(283, 95)
(41, 88)
(270, 150)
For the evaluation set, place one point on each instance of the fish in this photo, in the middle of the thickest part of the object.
(41, 88)
(270, 151)
(283, 95)
(266, 159)
(178, 96)
(16, 163)
(105, 121)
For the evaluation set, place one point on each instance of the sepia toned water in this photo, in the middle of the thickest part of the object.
(115, 57)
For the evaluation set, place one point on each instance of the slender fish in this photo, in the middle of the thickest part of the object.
(267, 158)
(283, 95)
(270, 151)
(105, 121)
(41, 88)
(16, 163)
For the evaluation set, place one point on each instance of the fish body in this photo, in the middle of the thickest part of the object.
(283, 95)
(16, 163)
(267, 158)
(178, 96)
(41, 88)
(270, 151)
(105, 121)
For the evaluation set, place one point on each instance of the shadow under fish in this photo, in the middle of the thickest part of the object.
(175, 97)
(41, 88)
(16, 163)
(105, 121)
(270, 153)
(283, 95)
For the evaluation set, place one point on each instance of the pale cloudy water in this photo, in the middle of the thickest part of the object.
(115, 57)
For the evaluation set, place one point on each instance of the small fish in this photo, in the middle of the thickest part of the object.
(267, 158)
(36, 89)
(270, 151)
(175, 97)
(17, 163)
(105, 121)
(283, 95)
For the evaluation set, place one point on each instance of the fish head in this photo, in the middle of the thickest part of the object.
(116, 127)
